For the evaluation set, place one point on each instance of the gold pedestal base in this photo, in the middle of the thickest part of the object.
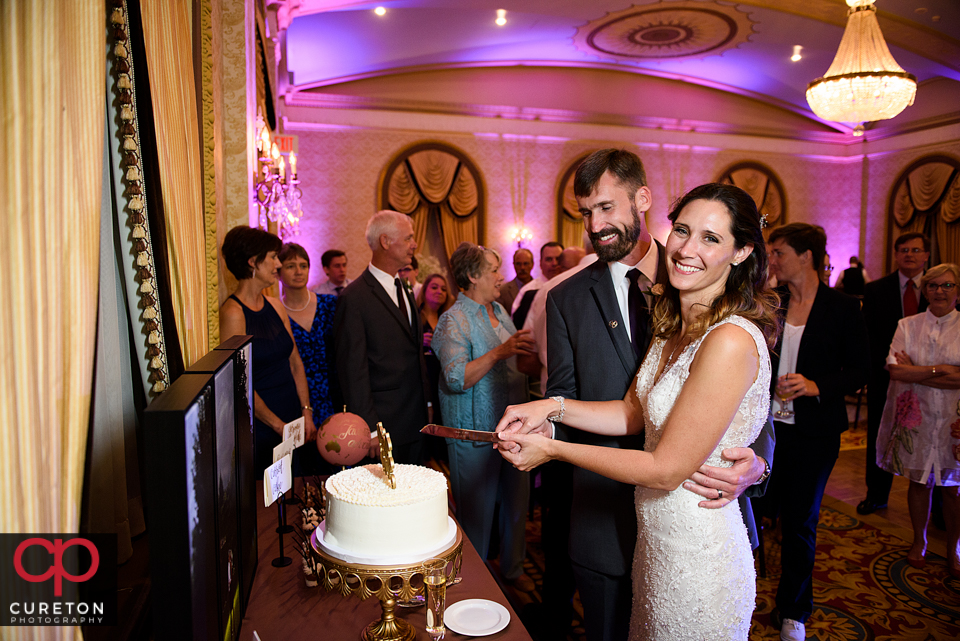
(386, 582)
(389, 627)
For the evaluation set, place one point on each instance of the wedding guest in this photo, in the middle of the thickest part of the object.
(432, 301)
(920, 427)
(334, 263)
(280, 390)
(410, 273)
(852, 279)
(826, 270)
(311, 318)
(378, 341)
(477, 344)
(886, 301)
(821, 357)
(550, 254)
(522, 265)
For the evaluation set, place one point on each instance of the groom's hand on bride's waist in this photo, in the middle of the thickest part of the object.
(721, 485)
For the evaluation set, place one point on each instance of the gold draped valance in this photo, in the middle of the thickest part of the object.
(927, 199)
(923, 187)
(436, 180)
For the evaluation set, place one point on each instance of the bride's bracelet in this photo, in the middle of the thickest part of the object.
(559, 417)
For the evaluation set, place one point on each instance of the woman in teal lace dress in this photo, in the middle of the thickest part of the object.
(477, 343)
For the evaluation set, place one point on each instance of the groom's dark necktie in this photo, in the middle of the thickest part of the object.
(639, 315)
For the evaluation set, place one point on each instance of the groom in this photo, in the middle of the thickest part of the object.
(597, 334)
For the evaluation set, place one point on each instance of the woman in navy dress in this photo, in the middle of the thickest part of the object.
(311, 318)
(280, 392)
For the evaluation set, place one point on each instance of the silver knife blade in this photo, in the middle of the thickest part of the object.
(461, 434)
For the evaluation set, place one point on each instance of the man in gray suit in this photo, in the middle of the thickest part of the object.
(378, 338)
(597, 334)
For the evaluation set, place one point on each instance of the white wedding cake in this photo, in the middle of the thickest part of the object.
(366, 517)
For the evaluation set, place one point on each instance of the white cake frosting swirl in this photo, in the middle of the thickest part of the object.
(366, 516)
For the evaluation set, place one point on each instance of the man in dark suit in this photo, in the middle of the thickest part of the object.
(378, 339)
(523, 265)
(597, 334)
(885, 302)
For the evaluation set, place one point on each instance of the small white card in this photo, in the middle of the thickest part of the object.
(295, 430)
(284, 449)
(277, 479)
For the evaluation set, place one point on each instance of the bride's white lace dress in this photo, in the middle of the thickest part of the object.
(693, 575)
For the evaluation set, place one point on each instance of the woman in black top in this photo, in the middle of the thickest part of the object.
(280, 392)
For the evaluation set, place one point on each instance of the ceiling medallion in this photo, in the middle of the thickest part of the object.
(665, 31)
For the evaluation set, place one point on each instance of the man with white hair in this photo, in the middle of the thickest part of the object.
(378, 338)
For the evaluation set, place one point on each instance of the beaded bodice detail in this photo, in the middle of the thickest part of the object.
(657, 398)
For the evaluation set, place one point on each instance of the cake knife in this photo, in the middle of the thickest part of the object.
(461, 434)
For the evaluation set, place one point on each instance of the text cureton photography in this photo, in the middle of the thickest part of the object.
(58, 579)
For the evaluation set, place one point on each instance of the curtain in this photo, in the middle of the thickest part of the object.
(456, 229)
(434, 172)
(950, 207)
(903, 208)
(927, 200)
(948, 235)
(761, 188)
(435, 185)
(167, 29)
(404, 198)
(571, 222)
(927, 183)
(52, 88)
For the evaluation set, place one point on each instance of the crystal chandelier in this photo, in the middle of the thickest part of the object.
(864, 83)
(277, 196)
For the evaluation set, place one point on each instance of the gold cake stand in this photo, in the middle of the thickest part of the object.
(387, 582)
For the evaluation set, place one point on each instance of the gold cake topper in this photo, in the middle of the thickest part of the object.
(386, 455)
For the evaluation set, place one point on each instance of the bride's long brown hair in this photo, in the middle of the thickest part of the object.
(746, 292)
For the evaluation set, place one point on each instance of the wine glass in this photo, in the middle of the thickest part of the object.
(783, 395)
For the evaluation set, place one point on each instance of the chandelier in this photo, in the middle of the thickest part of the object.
(277, 195)
(864, 83)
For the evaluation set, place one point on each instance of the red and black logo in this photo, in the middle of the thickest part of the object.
(58, 579)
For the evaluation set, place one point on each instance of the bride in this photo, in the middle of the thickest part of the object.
(703, 386)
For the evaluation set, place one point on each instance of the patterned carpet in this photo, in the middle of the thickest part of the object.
(863, 587)
(854, 438)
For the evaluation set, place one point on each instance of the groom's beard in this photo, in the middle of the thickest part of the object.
(623, 244)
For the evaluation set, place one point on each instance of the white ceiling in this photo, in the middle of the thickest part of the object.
(438, 55)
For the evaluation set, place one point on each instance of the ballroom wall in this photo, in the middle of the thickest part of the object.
(341, 167)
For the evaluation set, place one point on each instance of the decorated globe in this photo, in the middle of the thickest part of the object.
(344, 439)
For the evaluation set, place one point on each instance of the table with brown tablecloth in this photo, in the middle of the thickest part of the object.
(283, 608)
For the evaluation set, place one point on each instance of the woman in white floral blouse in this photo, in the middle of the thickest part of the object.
(919, 434)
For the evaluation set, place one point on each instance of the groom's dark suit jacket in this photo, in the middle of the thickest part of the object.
(378, 360)
(589, 357)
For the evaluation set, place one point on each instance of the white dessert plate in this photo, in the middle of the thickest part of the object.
(476, 617)
(339, 553)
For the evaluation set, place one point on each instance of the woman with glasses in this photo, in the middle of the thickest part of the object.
(477, 345)
(920, 430)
